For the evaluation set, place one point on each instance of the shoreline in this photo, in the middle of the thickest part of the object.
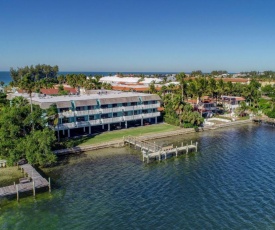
(120, 143)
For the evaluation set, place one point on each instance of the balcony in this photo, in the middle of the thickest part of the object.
(151, 106)
(106, 120)
(94, 111)
(128, 118)
(66, 114)
(106, 110)
(138, 107)
(138, 116)
(95, 122)
(150, 115)
(117, 119)
(82, 113)
(117, 109)
(128, 108)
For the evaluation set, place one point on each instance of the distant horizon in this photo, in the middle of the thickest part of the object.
(168, 72)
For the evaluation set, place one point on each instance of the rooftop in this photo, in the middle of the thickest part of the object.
(105, 96)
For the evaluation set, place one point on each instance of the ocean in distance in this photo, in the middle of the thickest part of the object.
(227, 184)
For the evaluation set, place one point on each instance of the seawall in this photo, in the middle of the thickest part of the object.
(120, 143)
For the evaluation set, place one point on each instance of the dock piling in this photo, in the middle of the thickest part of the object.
(50, 188)
(33, 188)
(17, 193)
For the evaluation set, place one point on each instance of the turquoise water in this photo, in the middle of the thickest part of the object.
(228, 184)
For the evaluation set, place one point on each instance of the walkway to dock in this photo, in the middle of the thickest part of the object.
(33, 181)
(154, 151)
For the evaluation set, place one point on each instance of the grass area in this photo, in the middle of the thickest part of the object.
(9, 175)
(138, 131)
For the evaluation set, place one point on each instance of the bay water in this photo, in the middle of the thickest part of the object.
(227, 184)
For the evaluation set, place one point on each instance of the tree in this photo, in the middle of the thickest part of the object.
(196, 73)
(2, 83)
(152, 88)
(27, 84)
(36, 73)
(37, 147)
(181, 79)
(61, 79)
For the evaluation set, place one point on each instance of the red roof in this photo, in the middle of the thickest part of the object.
(55, 91)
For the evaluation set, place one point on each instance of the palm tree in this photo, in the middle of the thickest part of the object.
(181, 79)
(27, 84)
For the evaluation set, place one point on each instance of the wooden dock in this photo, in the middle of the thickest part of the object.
(153, 151)
(32, 182)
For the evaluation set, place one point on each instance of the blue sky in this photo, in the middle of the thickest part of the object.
(139, 35)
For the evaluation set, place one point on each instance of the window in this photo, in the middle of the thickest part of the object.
(115, 115)
(103, 116)
(65, 120)
(64, 109)
(91, 117)
(81, 108)
(80, 119)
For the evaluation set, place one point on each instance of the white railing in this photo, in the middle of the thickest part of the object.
(151, 106)
(117, 109)
(128, 118)
(148, 115)
(66, 114)
(95, 122)
(138, 116)
(95, 111)
(138, 107)
(82, 113)
(82, 123)
(128, 108)
(106, 120)
(117, 119)
(106, 110)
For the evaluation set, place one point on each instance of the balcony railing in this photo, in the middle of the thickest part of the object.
(106, 110)
(95, 122)
(151, 106)
(128, 108)
(82, 113)
(106, 120)
(117, 119)
(149, 115)
(66, 114)
(138, 107)
(128, 118)
(117, 109)
(138, 116)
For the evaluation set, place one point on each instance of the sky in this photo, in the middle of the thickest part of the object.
(138, 35)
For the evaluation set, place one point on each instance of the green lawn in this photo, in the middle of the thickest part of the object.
(138, 131)
(9, 175)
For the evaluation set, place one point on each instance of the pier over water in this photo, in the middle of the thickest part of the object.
(31, 182)
(153, 151)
